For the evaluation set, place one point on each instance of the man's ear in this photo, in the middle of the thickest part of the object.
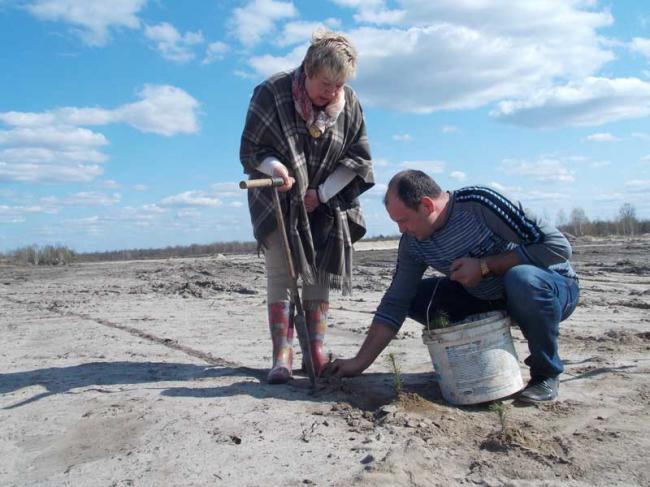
(428, 204)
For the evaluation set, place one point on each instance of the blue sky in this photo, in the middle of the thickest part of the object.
(120, 121)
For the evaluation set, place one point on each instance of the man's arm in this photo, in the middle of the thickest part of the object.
(378, 338)
(390, 315)
(467, 270)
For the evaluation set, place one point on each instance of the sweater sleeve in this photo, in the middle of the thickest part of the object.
(334, 183)
(357, 156)
(539, 242)
(394, 306)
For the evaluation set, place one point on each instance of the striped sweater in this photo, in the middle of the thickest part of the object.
(480, 222)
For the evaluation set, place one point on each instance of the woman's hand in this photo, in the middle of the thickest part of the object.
(280, 171)
(311, 200)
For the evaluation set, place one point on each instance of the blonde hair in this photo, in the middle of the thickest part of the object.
(331, 52)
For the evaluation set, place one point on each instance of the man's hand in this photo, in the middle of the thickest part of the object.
(466, 271)
(280, 171)
(379, 336)
(344, 367)
(311, 200)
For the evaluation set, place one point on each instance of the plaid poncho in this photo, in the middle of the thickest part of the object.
(274, 128)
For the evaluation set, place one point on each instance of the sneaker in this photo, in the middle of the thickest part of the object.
(540, 389)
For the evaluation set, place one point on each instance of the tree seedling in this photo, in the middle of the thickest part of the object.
(500, 410)
(439, 320)
(397, 374)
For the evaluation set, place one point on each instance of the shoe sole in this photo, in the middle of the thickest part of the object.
(529, 400)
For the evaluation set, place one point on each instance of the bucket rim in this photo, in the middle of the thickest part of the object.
(482, 319)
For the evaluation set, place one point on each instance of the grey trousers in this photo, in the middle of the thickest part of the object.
(277, 275)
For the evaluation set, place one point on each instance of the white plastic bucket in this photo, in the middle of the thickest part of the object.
(475, 360)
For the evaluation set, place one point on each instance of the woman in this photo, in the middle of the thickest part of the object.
(307, 127)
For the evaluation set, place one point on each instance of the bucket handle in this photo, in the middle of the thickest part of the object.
(435, 289)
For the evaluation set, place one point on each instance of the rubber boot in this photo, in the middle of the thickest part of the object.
(281, 327)
(316, 317)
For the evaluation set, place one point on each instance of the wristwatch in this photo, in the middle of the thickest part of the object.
(485, 270)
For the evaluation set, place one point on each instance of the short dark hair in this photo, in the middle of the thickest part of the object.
(410, 186)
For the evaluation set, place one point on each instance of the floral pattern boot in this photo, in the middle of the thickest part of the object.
(281, 327)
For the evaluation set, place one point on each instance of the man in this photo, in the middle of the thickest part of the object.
(493, 256)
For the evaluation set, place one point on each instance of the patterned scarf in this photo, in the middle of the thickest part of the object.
(317, 120)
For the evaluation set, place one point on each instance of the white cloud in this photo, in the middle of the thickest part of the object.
(140, 187)
(449, 129)
(543, 196)
(640, 45)
(266, 65)
(458, 175)
(240, 73)
(504, 189)
(602, 137)
(216, 51)
(48, 155)
(426, 166)
(188, 213)
(301, 31)
(52, 137)
(191, 198)
(164, 110)
(228, 190)
(92, 20)
(109, 184)
(380, 162)
(544, 170)
(373, 11)
(638, 185)
(16, 214)
(153, 208)
(593, 101)
(598, 164)
(442, 55)
(257, 19)
(52, 147)
(91, 198)
(646, 158)
(402, 137)
(171, 44)
(38, 173)
(451, 48)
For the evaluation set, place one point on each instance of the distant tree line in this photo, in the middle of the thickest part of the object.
(625, 223)
(194, 250)
(576, 223)
(40, 255)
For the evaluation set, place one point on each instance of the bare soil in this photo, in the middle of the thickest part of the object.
(152, 373)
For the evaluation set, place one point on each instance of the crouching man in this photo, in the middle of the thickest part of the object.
(493, 257)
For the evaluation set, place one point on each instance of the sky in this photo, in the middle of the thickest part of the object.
(120, 121)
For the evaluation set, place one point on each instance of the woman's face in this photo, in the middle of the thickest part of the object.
(322, 88)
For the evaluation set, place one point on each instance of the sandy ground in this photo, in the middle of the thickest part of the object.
(152, 373)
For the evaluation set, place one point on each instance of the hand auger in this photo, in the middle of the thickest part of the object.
(299, 319)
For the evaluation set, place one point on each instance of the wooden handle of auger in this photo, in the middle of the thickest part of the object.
(261, 183)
